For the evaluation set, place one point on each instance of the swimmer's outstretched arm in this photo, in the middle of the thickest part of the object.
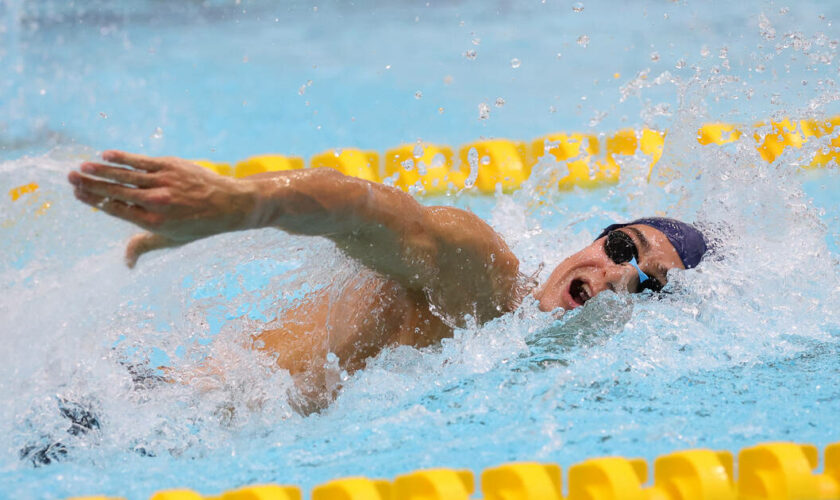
(445, 252)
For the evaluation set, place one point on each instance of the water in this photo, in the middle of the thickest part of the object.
(743, 349)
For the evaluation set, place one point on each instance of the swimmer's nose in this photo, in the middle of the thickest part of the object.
(619, 277)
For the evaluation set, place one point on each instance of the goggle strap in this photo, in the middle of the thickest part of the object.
(642, 276)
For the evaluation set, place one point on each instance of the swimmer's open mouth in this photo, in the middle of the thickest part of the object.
(579, 291)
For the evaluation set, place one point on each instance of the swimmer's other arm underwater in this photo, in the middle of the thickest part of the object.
(432, 268)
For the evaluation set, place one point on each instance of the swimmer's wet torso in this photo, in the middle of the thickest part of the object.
(353, 321)
(428, 269)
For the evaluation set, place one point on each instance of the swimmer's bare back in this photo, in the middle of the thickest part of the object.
(432, 267)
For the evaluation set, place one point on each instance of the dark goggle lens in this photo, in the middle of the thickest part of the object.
(620, 248)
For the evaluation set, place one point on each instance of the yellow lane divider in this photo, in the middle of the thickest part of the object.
(769, 471)
(591, 162)
(16, 193)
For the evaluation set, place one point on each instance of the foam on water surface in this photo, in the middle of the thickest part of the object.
(742, 349)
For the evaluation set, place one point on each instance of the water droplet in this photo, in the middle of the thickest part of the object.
(42, 91)
(103, 115)
(597, 118)
(387, 66)
(302, 90)
(438, 160)
(766, 28)
(440, 110)
(418, 94)
(515, 63)
(417, 152)
(654, 56)
(583, 41)
(577, 7)
(552, 109)
(704, 51)
(483, 111)
(784, 10)
(472, 160)
(158, 134)
(681, 64)
(559, 55)
(723, 53)
(470, 54)
(485, 160)
(476, 41)
(500, 102)
(408, 164)
(337, 152)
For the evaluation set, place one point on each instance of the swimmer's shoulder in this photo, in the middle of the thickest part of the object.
(475, 258)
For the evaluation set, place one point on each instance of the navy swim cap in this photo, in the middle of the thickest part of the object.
(688, 241)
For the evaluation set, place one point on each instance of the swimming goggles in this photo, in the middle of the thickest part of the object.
(621, 249)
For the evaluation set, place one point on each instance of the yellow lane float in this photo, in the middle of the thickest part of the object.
(350, 161)
(16, 193)
(266, 163)
(522, 481)
(495, 161)
(769, 471)
(576, 150)
(353, 488)
(426, 166)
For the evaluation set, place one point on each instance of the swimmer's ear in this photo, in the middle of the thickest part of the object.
(142, 243)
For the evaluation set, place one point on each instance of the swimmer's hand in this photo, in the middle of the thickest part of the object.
(174, 199)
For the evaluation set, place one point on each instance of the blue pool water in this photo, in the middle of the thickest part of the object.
(744, 348)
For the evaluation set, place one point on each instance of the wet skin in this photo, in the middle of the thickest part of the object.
(429, 269)
(589, 272)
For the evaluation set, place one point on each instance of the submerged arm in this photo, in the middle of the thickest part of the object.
(444, 250)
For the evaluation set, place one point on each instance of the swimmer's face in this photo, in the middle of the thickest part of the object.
(590, 271)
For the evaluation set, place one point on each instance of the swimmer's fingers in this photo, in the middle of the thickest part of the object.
(132, 213)
(106, 189)
(145, 242)
(138, 161)
(121, 175)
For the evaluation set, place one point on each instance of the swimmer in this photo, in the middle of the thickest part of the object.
(429, 269)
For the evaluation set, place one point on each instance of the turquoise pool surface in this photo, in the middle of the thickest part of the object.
(741, 350)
